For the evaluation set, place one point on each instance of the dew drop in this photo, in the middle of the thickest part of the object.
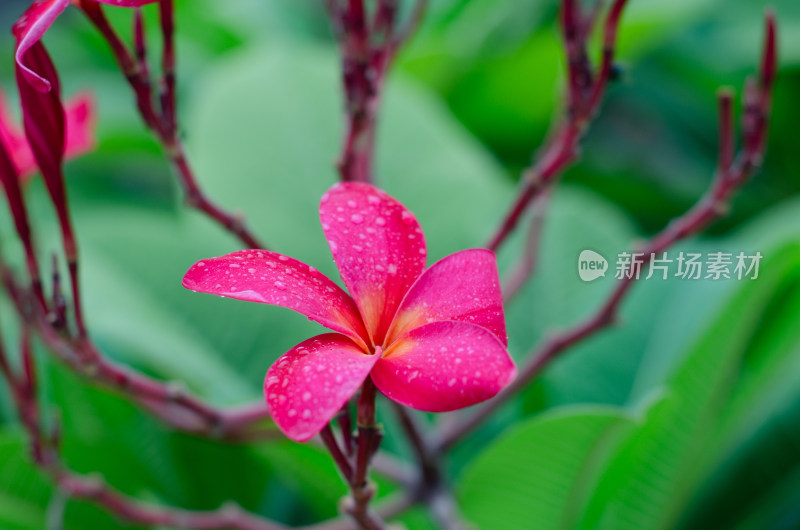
(392, 269)
(234, 265)
(357, 218)
(380, 221)
(352, 204)
(279, 285)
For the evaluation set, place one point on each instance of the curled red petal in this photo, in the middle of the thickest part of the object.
(272, 278)
(29, 30)
(444, 366)
(463, 286)
(34, 23)
(378, 246)
(310, 383)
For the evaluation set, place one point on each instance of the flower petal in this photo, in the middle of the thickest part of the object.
(378, 246)
(463, 286)
(35, 22)
(272, 278)
(29, 30)
(80, 118)
(310, 383)
(444, 366)
(13, 138)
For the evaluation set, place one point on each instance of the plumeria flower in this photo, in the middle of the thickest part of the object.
(433, 339)
(79, 118)
(36, 21)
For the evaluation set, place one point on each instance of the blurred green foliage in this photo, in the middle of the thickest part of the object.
(683, 417)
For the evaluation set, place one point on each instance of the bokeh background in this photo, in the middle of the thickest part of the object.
(684, 416)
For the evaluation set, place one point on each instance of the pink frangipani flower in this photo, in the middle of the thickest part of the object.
(433, 339)
(79, 118)
(35, 22)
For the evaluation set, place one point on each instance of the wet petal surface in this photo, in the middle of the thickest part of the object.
(378, 246)
(444, 366)
(463, 286)
(272, 278)
(310, 383)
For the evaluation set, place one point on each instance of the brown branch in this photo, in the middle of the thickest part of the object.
(584, 94)
(91, 488)
(167, 400)
(530, 256)
(162, 121)
(368, 48)
(727, 180)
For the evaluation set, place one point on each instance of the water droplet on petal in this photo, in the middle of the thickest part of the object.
(380, 221)
(357, 218)
(279, 285)
(352, 204)
(392, 269)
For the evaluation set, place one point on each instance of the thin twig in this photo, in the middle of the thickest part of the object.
(726, 181)
(530, 255)
(584, 93)
(162, 121)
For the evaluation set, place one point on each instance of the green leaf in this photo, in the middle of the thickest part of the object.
(654, 473)
(24, 491)
(541, 473)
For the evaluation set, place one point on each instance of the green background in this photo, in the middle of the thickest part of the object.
(684, 416)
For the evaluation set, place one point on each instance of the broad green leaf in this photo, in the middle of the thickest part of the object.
(653, 473)
(24, 491)
(541, 473)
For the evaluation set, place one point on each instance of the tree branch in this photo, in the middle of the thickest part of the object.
(584, 93)
(162, 121)
(727, 180)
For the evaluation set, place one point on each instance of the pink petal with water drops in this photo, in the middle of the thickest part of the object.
(444, 366)
(310, 383)
(463, 286)
(35, 22)
(272, 278)
(378, 246)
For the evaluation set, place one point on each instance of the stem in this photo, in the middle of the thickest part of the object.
(163, 121)
(530, 257)
(584, 94)
(728, 178)
(361, 490)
